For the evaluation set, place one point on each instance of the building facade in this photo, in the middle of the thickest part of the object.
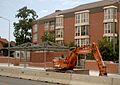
(80, 25)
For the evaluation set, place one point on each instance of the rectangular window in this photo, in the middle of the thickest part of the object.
(46, 25)
(82, 17)
(110, 13)
(84, 30)
(77, 18)
(81, 42)
(59, 21)
(52, 25)
(77, 42)
(77, 31)
(108, 28)
(84, 41)
(59, 33)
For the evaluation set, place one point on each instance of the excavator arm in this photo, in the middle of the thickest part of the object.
(99, 60)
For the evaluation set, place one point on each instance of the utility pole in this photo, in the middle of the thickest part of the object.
(119, 37)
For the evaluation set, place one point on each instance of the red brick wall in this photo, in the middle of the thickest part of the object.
(69, 29)
(38, 57)
(40, 32)
(4, 59)
(111, 67)
(96, 26)
(118, 22)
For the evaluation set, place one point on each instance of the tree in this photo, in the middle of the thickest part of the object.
(23, 27)
(106, 50)
(48, 37)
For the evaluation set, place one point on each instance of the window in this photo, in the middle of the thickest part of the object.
(110, 13)
(82, 17)
(35, 28)
(59, 33)
(46, 25)
(108, 28)
(81, 30)
(77, 42)
(77, 18)
(84, 30)
(52, 25)
(77, 31)
(82, 41)
(59, 20)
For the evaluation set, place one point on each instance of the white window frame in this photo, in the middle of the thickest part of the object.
(86, 30)
(82, 18)
(109, 14)
(52, 25)
(78, 30)
(82, 41)
(59, 21)
(107, 28)
(59, 33)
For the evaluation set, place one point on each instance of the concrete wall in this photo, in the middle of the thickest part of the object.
(62, 78)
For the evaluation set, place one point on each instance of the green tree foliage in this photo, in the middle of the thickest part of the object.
(23, 27)
(106, 50)
(48, 37)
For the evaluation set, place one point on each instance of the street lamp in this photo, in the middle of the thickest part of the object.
(8, 40)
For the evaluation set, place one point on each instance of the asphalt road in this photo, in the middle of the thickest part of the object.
(16, 81)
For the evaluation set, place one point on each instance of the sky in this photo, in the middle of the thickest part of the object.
(9, 8)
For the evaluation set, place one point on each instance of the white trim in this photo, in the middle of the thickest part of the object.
(109, 20)
(109, 35)
(80, 37)
(58, 39)
(59, 16)
(82, 11)
(110, 7)
(79, 24)
(59, 27)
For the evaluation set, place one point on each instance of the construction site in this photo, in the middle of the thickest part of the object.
(75, 46)
(59, 65)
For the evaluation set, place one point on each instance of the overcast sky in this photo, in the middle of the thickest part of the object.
(8, 9)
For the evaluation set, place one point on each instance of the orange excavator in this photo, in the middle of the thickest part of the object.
(70, 61)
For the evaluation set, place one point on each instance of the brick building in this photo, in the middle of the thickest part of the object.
(82, 25)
